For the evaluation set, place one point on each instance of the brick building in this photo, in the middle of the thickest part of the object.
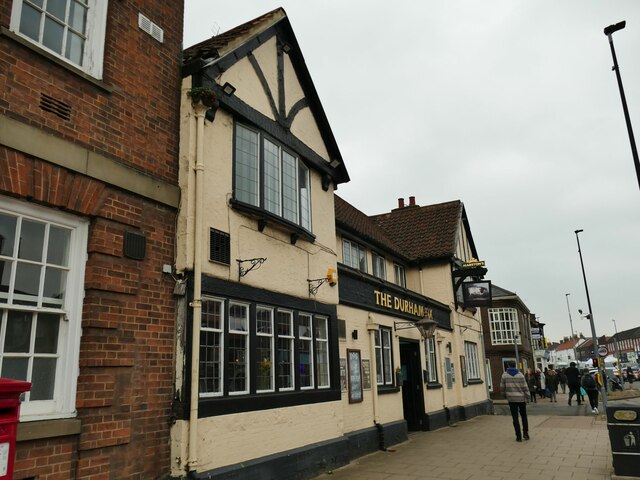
(88, 201)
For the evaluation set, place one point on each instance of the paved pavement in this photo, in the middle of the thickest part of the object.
(567, 443)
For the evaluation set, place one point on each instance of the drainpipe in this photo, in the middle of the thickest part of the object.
(373, 329)
(196, 304)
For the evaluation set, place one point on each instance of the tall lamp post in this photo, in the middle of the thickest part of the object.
(515, 342)
(615, 327)
(603, 373)
(608, 31)
(575, 356)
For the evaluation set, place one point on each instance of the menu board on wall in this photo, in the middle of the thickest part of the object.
(343, 374)
(366, 374)
(355, 376)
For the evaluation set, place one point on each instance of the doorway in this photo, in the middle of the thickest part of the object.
(412, 395)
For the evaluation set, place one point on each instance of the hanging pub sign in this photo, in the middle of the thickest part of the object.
(476, 293)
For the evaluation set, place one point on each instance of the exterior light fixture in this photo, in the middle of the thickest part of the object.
(228, 89)
(426, 326)
(608, 31)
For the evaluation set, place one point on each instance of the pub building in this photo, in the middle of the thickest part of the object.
(272, 373)
(257, 378)
(408, 379)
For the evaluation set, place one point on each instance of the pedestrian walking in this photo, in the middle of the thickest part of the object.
(562, 378)
(515, 388)
(629, 373)
(540, 383)
(530, 377)
(551, 380)
(591, 387)
(573, 380)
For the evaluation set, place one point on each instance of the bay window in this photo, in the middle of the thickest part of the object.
(504, 326)
(269, 177)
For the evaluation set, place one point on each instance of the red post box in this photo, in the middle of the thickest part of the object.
(10, 391)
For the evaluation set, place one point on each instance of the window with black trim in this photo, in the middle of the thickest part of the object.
(261, 349)
(384, 357)
(354, 255)
(270, 177)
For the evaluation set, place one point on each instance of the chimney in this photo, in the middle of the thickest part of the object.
(412, 201)
(401, 203)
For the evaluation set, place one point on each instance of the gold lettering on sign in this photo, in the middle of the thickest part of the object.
(402, 305)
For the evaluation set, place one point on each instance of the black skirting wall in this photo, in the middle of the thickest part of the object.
(447, 416)
(312, 460)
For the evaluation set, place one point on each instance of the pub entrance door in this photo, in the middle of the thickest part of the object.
(412, 395)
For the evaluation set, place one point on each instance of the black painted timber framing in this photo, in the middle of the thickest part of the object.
(311, 460)
(205, 71)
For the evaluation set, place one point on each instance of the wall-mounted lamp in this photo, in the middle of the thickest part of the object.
(316, 283)
(427, 327)
(354, 334)
(228, 89)
(449, 347)
(255, 263)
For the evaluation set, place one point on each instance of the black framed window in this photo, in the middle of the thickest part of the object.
(270, 177)
(256, 349)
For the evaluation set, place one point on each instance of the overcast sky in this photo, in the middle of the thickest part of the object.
(510, 106)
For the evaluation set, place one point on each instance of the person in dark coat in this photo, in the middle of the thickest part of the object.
(590, 386)
(531, 382)
(551, 380)
(573, 381)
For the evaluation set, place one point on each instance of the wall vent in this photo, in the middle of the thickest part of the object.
(57, 107)
(151, 28)
(219, 247)
(134, 245)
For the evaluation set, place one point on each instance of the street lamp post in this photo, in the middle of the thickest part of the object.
(608, 31)
(515, 342)
(575, 356)
(615, 327)
(603, 373)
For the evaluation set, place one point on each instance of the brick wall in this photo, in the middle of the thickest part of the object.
(135, 123)
(127, 345)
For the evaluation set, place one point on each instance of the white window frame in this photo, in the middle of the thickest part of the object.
(354, 255)
(322, 344)
(245, 333)
(259, 193)
(271, 344)
(311, 350)
(504, 324)
(93, 56)
(291, 339)
(68, 348)
(379, 265)
(400, 275)
(384, 357)
(218, 331)
(471, 354)
(432, 359)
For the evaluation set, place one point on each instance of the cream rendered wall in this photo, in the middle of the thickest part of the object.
(360, 415)
(229, 439)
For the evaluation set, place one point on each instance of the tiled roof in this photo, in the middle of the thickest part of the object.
(353, 220)
(497, 291)
(423, 233)
(214, 47)
(568, 345)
